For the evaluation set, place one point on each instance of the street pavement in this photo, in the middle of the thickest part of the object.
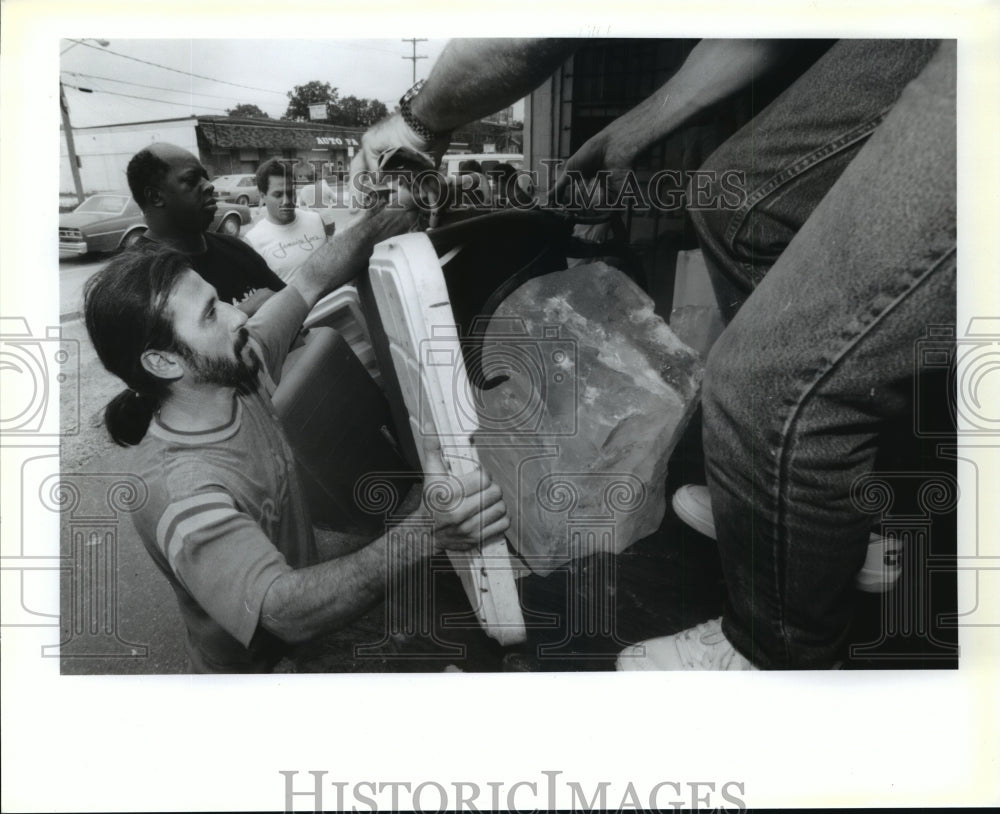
(73, 273)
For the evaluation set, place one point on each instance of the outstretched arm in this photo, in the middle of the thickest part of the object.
(475, 77)
(471, 78)
(714, 70)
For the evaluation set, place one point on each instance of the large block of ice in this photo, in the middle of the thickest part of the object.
(587, 392)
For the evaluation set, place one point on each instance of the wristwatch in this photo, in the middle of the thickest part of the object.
(411, 119)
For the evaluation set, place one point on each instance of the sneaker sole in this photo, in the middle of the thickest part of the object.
(691, 519)
(880, 577)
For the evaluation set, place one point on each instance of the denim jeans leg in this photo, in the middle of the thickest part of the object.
(819, 359)
(790, 154)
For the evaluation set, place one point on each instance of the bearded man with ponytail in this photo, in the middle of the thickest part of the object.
(226, 520)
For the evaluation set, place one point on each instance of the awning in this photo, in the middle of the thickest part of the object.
(223, 134)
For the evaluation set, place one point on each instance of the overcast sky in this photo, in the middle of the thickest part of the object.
(269, 68)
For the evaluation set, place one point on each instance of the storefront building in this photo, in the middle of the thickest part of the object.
(226, 146)
(230, 146)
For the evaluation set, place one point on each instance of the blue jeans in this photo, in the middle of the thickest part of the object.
(841, 257)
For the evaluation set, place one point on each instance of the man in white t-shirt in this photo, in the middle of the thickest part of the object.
(286, 236)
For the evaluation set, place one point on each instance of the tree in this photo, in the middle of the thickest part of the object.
(347, 112)
(355, 112)
(312, 93)
(247, 111)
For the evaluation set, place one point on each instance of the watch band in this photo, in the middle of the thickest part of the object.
(411, 118)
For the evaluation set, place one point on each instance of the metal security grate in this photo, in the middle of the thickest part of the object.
(605, 80)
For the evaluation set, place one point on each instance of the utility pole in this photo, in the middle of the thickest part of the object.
(74, 164)
(414, 58)
(70, 148)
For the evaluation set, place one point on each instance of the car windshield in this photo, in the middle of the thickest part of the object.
(108, 204)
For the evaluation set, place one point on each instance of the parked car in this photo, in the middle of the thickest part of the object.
(110, 221)
(221, 181)
(241, 189)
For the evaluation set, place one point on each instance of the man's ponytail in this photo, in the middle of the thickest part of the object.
(128, 415)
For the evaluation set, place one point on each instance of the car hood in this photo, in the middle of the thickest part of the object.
(74, 220)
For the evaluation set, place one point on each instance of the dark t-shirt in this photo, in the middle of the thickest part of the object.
(233, 267)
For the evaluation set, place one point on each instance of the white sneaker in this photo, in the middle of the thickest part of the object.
(883, 565)
(693, 504)
(883, 562)
(703, 647)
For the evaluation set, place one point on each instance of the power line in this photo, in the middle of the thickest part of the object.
(414, 58)
(150, 87)
(177, 70)
(143, 98)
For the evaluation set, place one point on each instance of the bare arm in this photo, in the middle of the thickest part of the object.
(714, 70)
(305, 603)
(310, 601)
(475, 77)
(471, 78)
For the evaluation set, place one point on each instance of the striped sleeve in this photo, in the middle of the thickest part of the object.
(221, 557)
